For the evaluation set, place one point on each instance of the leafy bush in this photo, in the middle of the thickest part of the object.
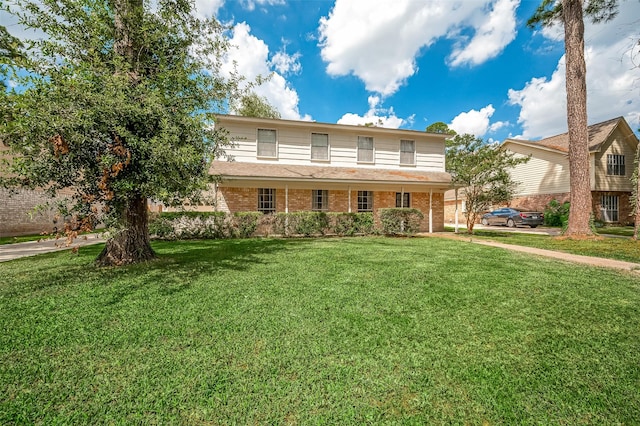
(399, 221)
(190, 225)
(349, 224)
(301, 223)
(245, 223)
(556, 214)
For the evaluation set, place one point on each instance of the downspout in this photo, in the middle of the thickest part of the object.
(349, 197)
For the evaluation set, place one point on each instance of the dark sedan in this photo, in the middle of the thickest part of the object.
(513, 217)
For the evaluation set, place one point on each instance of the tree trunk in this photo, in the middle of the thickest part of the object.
(636, 222)
(131, 244)
(579, 176)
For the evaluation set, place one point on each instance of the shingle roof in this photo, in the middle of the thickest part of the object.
(231, 169)
(598, 134)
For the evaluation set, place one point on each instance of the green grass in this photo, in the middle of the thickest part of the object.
(327, 331)
(610, 248)
(23, 239)
(623, 231)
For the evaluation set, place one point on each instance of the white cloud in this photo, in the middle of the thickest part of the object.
(475, 122)
(208, 8)
(613, 85)
(285, 63)
(250, 56)
(378, 43)
(251, 4)
(492, 34)
(376, 115)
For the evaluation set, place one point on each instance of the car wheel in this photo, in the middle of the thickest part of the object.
(533, 226)
(511, 223)
(484, 221)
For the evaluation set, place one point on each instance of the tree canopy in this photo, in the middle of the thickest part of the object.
(252, 105)
(116, 104)
(440, 127)
(482, 170)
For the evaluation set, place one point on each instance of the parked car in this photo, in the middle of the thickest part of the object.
(513, 217)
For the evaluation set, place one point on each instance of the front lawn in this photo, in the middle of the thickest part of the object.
(327, 331)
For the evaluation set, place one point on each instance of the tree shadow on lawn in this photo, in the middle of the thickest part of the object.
(180, 263)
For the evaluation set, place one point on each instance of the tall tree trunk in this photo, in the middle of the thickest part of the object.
(579, 176)
(131, 244)
(636, 222)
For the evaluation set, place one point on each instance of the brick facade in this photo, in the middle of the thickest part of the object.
(235, 199)
(540, 202)
(20, 215)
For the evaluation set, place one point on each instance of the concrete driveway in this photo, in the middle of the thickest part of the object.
(32, 248)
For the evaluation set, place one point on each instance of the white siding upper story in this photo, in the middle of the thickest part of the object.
(546, 172)
(293, 144)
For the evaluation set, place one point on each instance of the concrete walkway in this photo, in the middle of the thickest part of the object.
(32, 248)
(574, 258)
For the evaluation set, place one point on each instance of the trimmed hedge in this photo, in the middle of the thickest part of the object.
(400, 221)
(218, 225)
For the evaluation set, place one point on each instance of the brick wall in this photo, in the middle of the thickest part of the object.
(246, 199)
(625, 209)
(539, 203)
(18, 214)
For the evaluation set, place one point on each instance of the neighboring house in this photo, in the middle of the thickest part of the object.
(288, 166)
(612, 148)
(25, 211)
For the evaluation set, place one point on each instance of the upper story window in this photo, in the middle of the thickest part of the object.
(403, 199)
(319, 146)
(320, 200)
(365, 201)
(365, 149)
(267, 145)
(266, 200)
(408, 152)
(615, 165)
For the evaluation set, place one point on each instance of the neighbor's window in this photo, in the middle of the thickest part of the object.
(319, 146)
(365, 201)
(407, 152)
(615, 165)
(320, 200)
(403, 199)
(609, 208)
(266, 200)
(267, 143)
(365, 149)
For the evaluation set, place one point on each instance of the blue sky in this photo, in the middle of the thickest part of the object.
(472, 64)
(408, 63)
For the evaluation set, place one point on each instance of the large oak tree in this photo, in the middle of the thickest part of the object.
(116, 104)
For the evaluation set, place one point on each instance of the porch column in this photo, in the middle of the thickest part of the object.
(457, 226)
(431, 210)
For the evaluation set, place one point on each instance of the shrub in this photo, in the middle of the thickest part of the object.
(301, 223)
(400, 221)
(245, 223)
(556, 214)
(189, 225)
(349, 224)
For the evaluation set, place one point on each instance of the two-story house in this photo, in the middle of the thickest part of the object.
(612, 149)
(288, 166)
